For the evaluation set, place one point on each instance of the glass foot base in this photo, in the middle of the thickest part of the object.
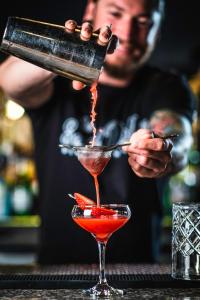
(103, 290)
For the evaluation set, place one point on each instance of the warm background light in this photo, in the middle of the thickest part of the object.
(13, 110)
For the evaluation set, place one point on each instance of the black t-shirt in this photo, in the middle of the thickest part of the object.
(120, 112)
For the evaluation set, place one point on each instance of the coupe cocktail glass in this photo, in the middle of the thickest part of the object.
(101, 222)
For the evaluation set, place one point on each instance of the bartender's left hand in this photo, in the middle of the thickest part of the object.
(149, 157)
(104, 36)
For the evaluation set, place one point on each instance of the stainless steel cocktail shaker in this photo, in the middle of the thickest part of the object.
(51, 47)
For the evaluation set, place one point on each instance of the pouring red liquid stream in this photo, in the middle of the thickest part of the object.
(90, 164)
(94, 165)
(93, 113)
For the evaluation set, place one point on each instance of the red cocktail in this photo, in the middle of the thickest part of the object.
(101, 222)
(101, 227)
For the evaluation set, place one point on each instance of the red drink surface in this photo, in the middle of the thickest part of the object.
(103, 226)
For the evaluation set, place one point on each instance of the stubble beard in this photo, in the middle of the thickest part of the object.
(127, 70)
(121, 72)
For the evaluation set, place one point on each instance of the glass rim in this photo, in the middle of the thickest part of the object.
(114, 205)
(186, 205)
(92, 148)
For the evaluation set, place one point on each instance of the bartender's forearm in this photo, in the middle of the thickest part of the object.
(25, 83)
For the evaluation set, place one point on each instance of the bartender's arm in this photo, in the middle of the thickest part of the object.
(27, 84)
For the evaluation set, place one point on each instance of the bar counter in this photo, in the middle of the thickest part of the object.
(66, 282)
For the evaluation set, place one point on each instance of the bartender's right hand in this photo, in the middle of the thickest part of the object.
(104, 32)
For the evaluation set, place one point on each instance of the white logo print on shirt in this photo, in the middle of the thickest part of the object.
(113, 132)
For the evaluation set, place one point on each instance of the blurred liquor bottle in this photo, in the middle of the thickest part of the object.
(4, 195)
(4, 205)
(18, 180)
(21, 181)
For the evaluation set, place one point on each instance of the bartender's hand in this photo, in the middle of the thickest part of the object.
(149, 157)
(104, 32)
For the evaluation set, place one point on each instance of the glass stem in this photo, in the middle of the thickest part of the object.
(102, 249)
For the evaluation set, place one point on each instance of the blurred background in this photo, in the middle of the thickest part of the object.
(178, 49)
